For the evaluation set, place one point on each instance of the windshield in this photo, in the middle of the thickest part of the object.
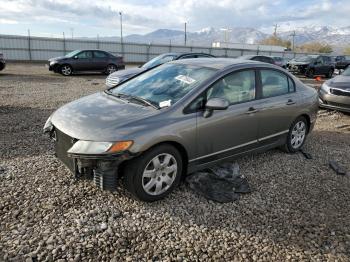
(73, 53)
(158, 61)
(346, 72)
(304, 59)
(166, 84)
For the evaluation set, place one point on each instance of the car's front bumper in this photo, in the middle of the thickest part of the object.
(335, 102)
(102, 168)
(2, 64)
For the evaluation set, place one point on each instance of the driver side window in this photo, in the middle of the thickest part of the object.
(85, 55)
(236, 87)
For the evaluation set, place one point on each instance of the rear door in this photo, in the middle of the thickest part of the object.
(233, 130)
(100, 60)
(277, 104)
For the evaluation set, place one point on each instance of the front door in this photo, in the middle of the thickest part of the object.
(227, 132)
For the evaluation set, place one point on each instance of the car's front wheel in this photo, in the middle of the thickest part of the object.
(66, 70)
(154, 174)
(296, 135)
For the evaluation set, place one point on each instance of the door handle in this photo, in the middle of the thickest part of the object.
(252, 110)
(290, 102)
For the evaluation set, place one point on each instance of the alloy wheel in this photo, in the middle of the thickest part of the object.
(66, 70)
(111, 69)
(159, 174)
(298, 134)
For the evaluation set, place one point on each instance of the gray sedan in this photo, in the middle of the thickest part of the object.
(181, 117)
(335, 93)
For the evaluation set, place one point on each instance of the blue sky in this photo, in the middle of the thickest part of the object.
(92, 17)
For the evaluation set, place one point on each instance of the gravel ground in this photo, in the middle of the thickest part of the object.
(299, 209)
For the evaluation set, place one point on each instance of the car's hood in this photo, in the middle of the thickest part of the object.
(99, 117)
(127, 72)
(340, 82)
(58, 58)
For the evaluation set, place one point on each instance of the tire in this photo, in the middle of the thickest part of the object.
(310, 73)
(299, 124)
(144, 176)
(330, 73)
(111, 69)
(66, 70)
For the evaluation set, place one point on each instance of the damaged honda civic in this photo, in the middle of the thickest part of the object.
(178, 118)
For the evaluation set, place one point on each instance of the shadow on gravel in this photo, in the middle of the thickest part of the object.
(21, 131)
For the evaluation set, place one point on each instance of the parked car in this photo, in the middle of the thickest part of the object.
(86, 60)
(261, 58)
(2, 62)
(280, 61)
(117, 77)
(342, 62)
(181, 117)
(312, 65)
(335, 93)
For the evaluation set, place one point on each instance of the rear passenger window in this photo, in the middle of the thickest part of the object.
(98, 54)
(274, 83)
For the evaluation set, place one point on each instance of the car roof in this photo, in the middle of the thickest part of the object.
(216, 63)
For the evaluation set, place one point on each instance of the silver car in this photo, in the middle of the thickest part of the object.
(335, 92)
(181, 117)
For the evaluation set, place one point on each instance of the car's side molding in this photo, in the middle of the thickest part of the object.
(241, 145)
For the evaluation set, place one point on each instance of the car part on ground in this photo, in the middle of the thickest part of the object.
(184, 115)
(221, 183)
(335, 93)
(120, 76)
(312, 65)
(337, 168)
(86, 61)
(2, 62)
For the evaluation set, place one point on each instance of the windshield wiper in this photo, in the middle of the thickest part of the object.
(137, 98)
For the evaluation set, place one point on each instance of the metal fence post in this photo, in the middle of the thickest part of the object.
(64, 44)
(29, 47)
(148, 48)
(242, 52)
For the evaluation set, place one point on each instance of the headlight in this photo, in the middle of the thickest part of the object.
(48, 126)
(326, 88)
(82, 147)
(53, 62)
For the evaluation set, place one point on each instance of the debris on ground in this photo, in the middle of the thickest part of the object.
(305, 154)
(337, 168)
(221, 183)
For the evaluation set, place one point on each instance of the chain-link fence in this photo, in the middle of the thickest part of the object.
(27, 48)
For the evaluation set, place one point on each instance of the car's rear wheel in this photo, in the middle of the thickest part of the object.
(330, 73)
(66, 70)
(296, 135)
(154, 174)
(110, 69)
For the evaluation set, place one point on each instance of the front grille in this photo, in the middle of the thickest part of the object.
(64, 142)
(338, 104)
(111, 81)
(339, 92)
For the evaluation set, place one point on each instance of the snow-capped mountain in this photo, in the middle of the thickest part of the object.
(337, 37)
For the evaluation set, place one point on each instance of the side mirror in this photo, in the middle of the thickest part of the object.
(215, 103)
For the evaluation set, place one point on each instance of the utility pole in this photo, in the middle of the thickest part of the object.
(275, 31)
(121, 27)
(293, 41)
(185, 33)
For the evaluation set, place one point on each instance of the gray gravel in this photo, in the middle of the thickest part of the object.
(299, 209)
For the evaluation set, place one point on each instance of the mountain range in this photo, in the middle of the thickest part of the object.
(337, 37)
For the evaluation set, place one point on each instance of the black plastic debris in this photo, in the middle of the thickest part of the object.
(221, 183)
(305, 154)
(337, 168)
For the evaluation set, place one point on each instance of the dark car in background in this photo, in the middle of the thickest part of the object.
(335, 92)
(312, 65)
(280, 61)
(342, 62)
(181, 117)
(86, 60)
(117, 77)
(2, 62)
(260, 58)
